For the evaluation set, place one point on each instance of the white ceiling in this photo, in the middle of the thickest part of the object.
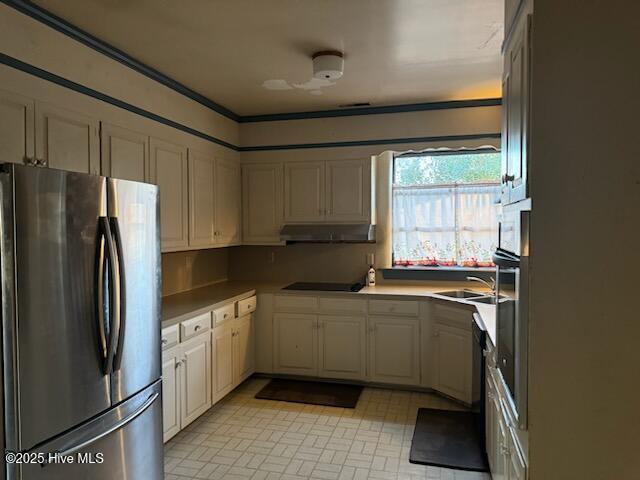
(396, 51)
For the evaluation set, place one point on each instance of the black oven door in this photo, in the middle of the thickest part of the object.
(508, 265)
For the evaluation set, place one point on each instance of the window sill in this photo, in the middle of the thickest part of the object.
(437, 273)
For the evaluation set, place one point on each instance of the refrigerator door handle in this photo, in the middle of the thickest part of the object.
(122, 304)
(103, 231)
(115, 427)
(114, 298)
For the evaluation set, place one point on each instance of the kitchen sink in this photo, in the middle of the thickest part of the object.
(461, 294)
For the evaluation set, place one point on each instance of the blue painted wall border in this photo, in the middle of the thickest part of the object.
(44, 16)
(63, 82)
(364, 143)
(348, 112)
(51, 77)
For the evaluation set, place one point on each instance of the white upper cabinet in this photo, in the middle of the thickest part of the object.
(16, 128)
(169, 171)
(228, 210)
(335, 191)
(201, 199)
(67, 140)
(348, 193)
(304, 190)
(125, 153)
(515, 124)
(262, 199)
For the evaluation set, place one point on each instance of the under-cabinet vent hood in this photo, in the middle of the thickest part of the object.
(324, 233)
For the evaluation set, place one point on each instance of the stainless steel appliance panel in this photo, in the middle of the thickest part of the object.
(60, 340)
(134, 217)
(128, 437)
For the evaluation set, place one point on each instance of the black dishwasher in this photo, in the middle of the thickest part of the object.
(478, 377)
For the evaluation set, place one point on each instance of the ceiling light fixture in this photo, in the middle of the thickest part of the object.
(328, 64)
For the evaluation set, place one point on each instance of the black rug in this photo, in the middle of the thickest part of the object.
(446, 438)
(315, 393)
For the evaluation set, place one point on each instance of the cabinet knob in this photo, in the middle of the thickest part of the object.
(164, 341)
(197, 327)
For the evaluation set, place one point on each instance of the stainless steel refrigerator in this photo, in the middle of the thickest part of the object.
(80, 260)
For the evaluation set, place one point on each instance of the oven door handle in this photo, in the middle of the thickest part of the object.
(505, 259)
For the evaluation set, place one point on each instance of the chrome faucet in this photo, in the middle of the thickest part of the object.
(491, 285)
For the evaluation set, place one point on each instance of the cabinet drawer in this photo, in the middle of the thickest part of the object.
(346, 305)
(454, 316)
(170, 337)
(296, 303)
(224, 314)
(195, 326)
(395, 307)
(248, 305)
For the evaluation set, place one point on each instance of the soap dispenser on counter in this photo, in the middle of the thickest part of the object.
(371, 277)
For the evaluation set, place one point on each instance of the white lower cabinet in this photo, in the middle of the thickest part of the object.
(205, 365)
(394, 350)
(171, 394)
(233, 355)
(243, 349)
(196, 375)
(504, 452)
(342, 346)
(295, 343)
(453, 347)
(222, 346)
(186, 387)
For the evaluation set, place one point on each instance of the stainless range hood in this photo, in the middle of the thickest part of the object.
(324, 233)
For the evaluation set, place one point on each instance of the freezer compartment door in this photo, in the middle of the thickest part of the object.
(134, 220)
(57, 370)
(123, 443)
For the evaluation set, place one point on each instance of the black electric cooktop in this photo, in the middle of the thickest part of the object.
(325, 287)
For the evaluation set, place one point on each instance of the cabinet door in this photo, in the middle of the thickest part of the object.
(304, 190)
(295, 343)
(516, 466)
(516, 113)
(342, 347)
(500, 471)
(196, 378)
(169, 172)
(394, 349)
(16, 128)
(227, 202)
(453, 351)
(243, 349)
(171, 388)
(67, 140)
(348, 188)
(222, 351)
(201, 199)
(262, 194)
(125, 153)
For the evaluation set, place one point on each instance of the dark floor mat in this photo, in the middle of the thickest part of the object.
(315, 393)
(446, 438)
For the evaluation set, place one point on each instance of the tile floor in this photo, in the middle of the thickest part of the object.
(245, 438)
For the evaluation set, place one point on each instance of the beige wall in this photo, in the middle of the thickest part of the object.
(182, 271)
(458, 121)
(300, 262)
(37, 44)
(585, 332)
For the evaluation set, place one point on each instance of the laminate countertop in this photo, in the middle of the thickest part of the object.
(178, 307)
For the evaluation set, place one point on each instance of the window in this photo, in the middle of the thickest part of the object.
(445, 208)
